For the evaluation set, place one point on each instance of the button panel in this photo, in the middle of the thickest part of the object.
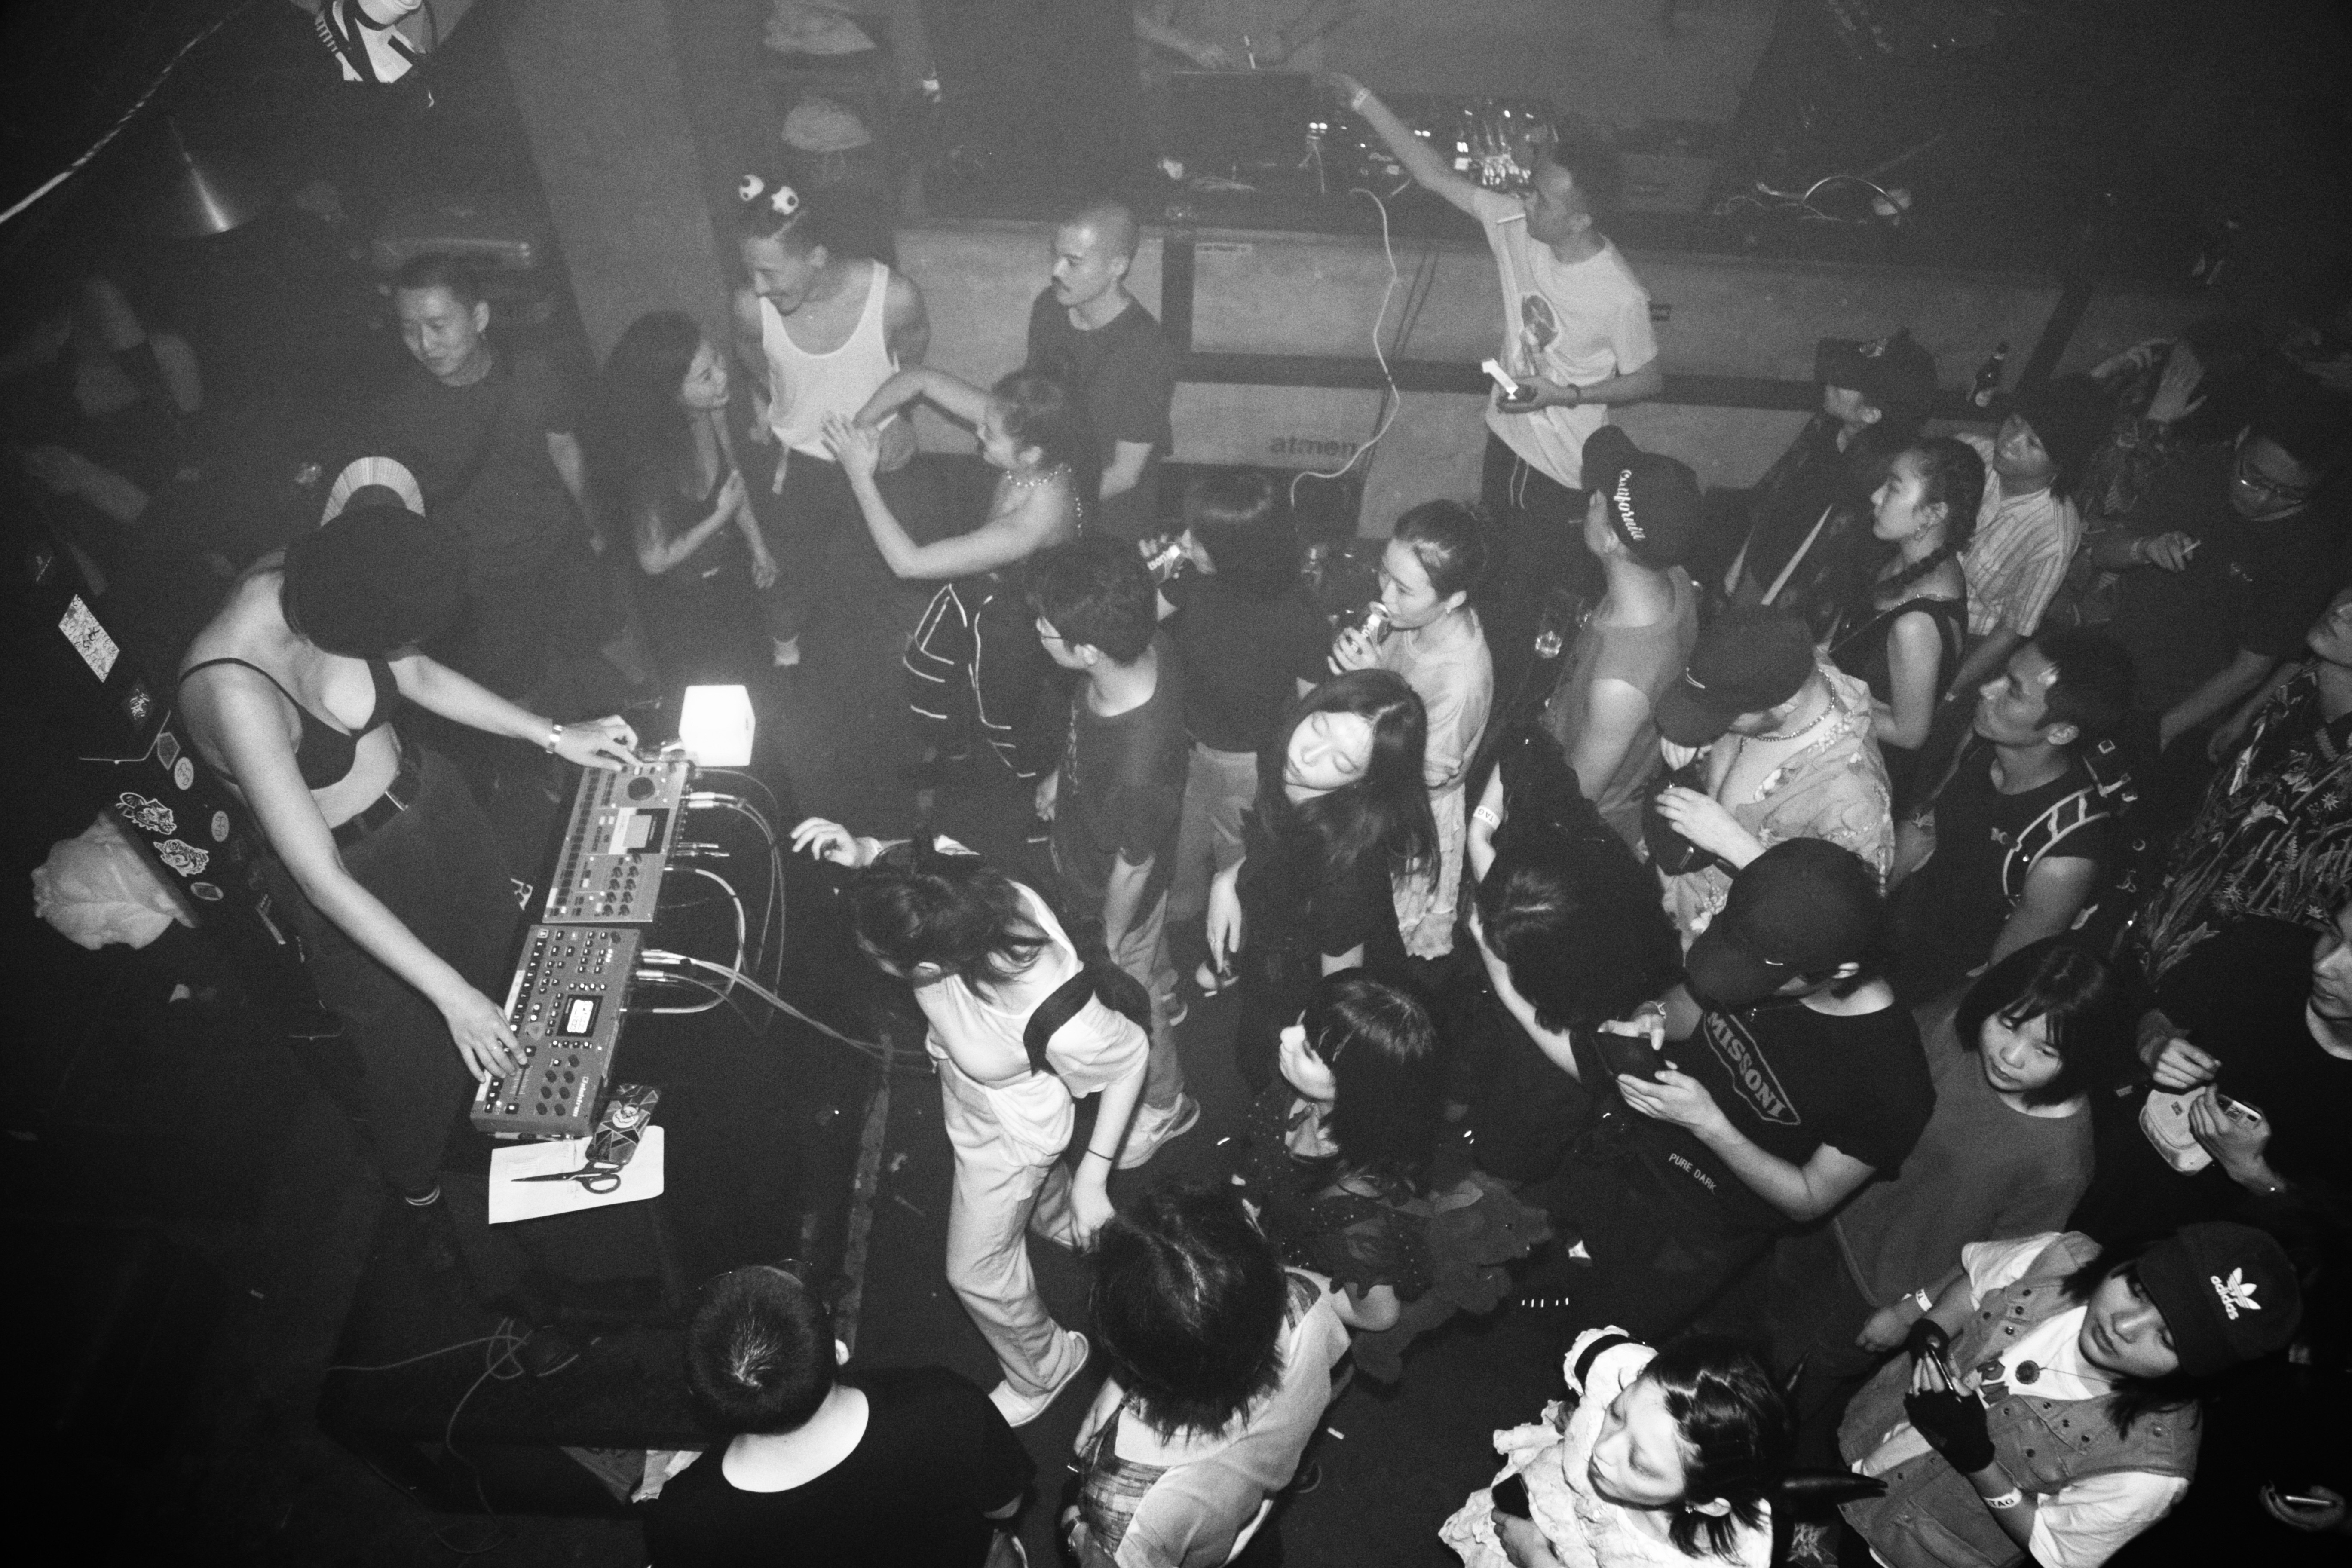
(565, 1006)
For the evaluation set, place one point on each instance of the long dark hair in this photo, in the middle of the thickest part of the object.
(954, 911)
(1736, 1433)
(1387, 809)
(2090, 1028)
(643, 430)
(2133, 1396)
(1381, 1048)
(1189, 1299)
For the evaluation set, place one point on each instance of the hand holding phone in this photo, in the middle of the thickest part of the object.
(1511, 390)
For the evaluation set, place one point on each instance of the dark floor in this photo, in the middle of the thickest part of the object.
(194, 1116)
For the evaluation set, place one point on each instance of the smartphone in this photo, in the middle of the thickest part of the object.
(1627, 1056)
(1511, 390)
(1511, 1496)
(2237, 1107)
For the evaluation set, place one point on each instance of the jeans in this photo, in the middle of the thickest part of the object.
(1218, 788)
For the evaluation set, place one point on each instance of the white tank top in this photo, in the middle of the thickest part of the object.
(805, 388)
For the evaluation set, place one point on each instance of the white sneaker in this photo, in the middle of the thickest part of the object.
(1020, 1409)
(1151, 1129)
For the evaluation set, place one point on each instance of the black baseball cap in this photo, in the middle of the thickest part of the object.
(2228, 1293)
(1752, 658)
(1896, 372)
(1652, 501)
(1802, 907)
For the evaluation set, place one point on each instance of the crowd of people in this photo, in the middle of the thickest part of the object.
(1890, 970)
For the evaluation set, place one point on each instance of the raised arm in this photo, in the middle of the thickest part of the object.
(1419, 158)
(957, 398)
(1014, 535)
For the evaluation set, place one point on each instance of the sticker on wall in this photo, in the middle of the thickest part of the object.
(185, 858)
(220, 826)
(138, 703)
(183, 772)
(90, 639)
(206, 891)
(167, 750)
(147, 815)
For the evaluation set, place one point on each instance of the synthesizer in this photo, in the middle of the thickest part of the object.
(566, 1007)
(617, 844)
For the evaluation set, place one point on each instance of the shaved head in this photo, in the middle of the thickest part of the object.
(1110, 223)
(1092, 250)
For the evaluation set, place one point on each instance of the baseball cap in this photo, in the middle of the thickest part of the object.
(1894, 372)
(1802, 907)
(2228, 1293)
(2070, 417)
(374, 482)
(1752, 658)
(1652, 501)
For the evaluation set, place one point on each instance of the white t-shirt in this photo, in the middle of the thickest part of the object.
(1571, 323)
(2082, 1524)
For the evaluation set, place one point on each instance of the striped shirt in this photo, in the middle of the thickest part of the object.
(2019, 554)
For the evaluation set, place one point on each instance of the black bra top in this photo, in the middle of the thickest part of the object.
(325, 755)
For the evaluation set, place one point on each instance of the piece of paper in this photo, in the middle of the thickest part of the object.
(512, 1198)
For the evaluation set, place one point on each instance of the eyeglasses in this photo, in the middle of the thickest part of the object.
(2244, 472)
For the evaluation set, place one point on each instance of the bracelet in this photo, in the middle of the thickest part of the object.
(1099, 1153)
(554, 733)
(1580, 394)
(2008, 1500)
(1927, 1302)
(1486, 815)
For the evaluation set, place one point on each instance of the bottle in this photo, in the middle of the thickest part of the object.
(1988, 376)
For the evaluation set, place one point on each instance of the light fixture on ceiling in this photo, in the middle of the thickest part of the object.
(202, 193)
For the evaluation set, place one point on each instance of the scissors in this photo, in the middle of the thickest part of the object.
(593, 1177)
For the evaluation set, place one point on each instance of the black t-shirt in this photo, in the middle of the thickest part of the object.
(2241, 996)
(1243, 658)
(1292, 900)
(1950, 912)
(936, 1456)
(2255, 586)
(1791, 1079)
(480, 454)
(1122, 788)
(1126, 374)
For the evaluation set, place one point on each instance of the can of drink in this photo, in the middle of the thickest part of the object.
(1372, 620)
(1163, 556)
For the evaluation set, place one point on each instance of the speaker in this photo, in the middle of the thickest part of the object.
(1038, 97)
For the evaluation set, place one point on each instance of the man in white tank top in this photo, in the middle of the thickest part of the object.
(818, 332)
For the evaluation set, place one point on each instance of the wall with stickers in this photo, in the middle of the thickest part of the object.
(170, 804)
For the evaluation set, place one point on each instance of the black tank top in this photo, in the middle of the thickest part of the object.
(325, 755)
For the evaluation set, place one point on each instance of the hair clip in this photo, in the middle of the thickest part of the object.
(783, 199)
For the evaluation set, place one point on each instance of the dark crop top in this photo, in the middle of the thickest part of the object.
(325, 755)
